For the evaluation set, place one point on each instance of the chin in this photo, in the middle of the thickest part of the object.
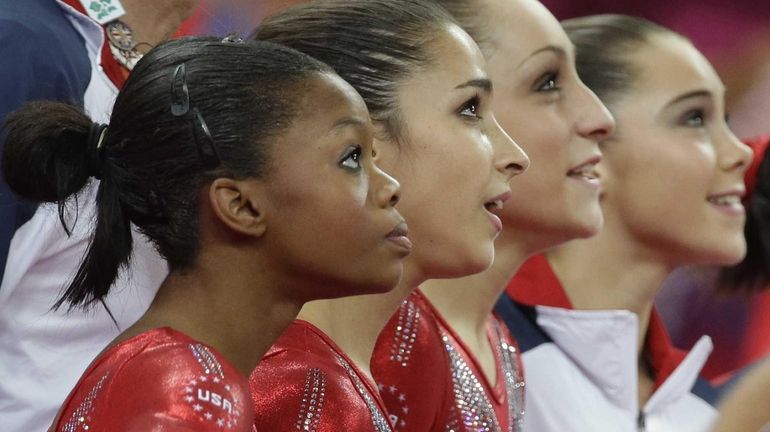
(470, 262)
(588, 226)
(732, 255)
(721, 254)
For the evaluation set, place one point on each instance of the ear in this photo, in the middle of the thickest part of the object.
(239, 205)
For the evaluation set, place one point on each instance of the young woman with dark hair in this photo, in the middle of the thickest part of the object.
(747, 406)
(671, 188)
(426, 87)
(545, 107)
(218, 151)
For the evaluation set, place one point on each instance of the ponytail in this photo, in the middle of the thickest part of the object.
(51, 152)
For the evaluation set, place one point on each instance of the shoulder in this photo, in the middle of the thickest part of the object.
(301, 383)
(411, 335)
(44, 57)
(180, 384)
(411, 367)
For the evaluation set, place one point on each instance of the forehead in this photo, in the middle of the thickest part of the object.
(327, 96)
(455, 53)
(519, 27)
(325, 101)
(670, 65)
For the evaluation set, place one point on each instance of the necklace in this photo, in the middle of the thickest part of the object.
(122, 44)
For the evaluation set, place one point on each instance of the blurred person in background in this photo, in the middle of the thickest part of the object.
(78, 52)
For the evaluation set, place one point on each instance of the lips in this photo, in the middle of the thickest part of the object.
(729, 202)
(586, 170)
(497, 202)
(399, 237)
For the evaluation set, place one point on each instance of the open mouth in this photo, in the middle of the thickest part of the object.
(725, 200)
(494, 205)
(584, 172)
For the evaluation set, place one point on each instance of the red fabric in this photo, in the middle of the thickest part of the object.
(155, 379)
(537, 284)
(412, 369)
(114, 70)
(418, 387)
(302, 384)
(759, 147)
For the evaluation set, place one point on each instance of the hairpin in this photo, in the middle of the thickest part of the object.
(180, 95)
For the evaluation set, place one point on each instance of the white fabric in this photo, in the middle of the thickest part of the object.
(43, 353)
(586, 379)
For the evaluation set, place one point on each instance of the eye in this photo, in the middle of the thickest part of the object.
(695, 118)
(352, 159)
(470, 109)
(547, 83)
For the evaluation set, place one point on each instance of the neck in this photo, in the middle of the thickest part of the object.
(466, 303)
(354, 323)
(153, 22)
(624, 275)
(239, 313)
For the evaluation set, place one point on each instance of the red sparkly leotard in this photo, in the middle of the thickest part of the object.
(430, 381)
(306, 383)
(159, 380)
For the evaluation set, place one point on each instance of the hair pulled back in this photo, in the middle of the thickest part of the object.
(193, 109)
(372, 44)
(603, 48)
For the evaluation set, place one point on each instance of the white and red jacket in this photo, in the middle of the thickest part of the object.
(581, 365)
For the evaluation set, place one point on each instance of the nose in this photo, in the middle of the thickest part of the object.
(387, 190)
(594, 121)
(734, 156)
(509, 158)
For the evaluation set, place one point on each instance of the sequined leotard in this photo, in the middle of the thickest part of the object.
(306, 383)
(159, 380)
(426, 393)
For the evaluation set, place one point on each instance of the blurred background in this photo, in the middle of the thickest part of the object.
(735, 36)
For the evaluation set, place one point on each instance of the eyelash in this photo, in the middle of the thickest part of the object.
(470, 109)
(354, 155)
(549, 82)
(693, 115)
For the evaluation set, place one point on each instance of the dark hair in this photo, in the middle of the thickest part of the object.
(193, 109)
(371, 44)
(603, 44)
(753, 272)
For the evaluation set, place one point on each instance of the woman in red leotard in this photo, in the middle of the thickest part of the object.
(425, 83)
(249, 167)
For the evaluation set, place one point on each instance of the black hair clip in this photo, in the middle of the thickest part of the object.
(180, 95)
(205, 142)
(180, 106)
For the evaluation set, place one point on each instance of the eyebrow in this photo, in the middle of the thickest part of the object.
(482, 83)
(559, 51)
(690, 95)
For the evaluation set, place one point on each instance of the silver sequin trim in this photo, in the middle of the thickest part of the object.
(206, 359)
(82, 416)
(378, 417)
(312, 400)
(406, 333)
(475, 410)
(514, 383)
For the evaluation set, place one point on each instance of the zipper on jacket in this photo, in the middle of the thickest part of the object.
(640, 422)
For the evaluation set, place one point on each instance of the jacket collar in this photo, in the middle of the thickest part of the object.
(601, 342)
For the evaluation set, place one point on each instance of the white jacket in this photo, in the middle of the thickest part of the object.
(580, 368)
